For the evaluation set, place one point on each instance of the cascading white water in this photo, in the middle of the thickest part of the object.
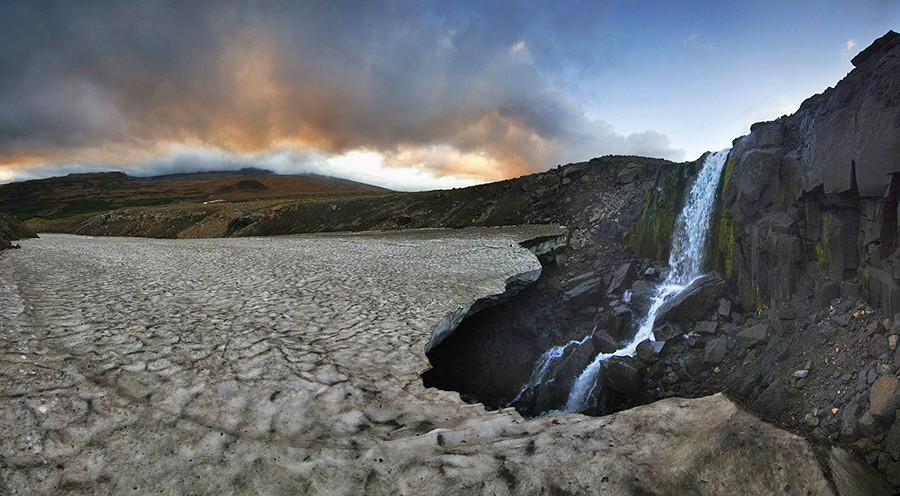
(543, 366)
(685, 262)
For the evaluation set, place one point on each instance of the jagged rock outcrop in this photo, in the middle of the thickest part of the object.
(807, 201)
(814, 196)
(11, 230)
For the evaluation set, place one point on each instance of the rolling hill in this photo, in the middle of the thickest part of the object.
(77, 194)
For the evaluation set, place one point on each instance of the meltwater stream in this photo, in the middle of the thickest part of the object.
(685, 262)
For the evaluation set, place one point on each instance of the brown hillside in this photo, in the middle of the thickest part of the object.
(76, 194)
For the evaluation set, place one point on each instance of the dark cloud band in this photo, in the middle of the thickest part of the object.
(329, 76)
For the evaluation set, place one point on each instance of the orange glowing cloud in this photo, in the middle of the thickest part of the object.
(306, 82)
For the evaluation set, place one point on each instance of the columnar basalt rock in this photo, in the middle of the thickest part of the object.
(813, 196)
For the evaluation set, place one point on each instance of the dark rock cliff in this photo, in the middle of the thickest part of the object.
(805, 235)
(11, 229)
(809, 202)
(811, 198)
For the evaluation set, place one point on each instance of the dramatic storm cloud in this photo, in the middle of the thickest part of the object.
(452, 92)
(417, 94)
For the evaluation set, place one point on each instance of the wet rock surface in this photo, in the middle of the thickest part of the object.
(694, 302)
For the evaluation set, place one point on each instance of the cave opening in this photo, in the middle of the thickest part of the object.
(494, 354)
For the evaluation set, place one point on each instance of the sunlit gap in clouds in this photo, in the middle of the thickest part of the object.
(6, 176)
(370, 167)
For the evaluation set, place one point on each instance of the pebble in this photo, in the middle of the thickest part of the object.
(811, 420)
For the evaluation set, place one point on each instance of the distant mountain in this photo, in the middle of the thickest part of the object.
(246, 171)
(75, 194)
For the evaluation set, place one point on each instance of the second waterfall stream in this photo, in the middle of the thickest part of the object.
(685, 265)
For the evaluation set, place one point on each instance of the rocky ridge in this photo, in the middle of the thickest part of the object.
(571, 195)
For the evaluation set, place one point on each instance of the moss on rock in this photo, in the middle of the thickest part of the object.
(723, 235)
(651, 235)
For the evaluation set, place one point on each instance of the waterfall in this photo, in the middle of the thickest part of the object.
(685, 263)
(543, 367)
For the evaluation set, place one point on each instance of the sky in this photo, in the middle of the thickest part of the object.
(408, 95)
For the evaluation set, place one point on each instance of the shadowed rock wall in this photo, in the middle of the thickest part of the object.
(11, 229)
(809, 201)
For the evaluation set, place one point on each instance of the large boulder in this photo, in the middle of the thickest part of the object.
(850, 422)
(650, 351)
(706, 327)
(754, 335)
(603, 342)
(624, 376)
(694, 302)
(884, 397)
(620, 323)
(622, 278)
(715, 350)
(585, 293)
(642, 293)
(771, 401)
(666, 332)
(869, 425)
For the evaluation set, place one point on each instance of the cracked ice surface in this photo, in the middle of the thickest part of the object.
(290, 365)
(183, 365)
